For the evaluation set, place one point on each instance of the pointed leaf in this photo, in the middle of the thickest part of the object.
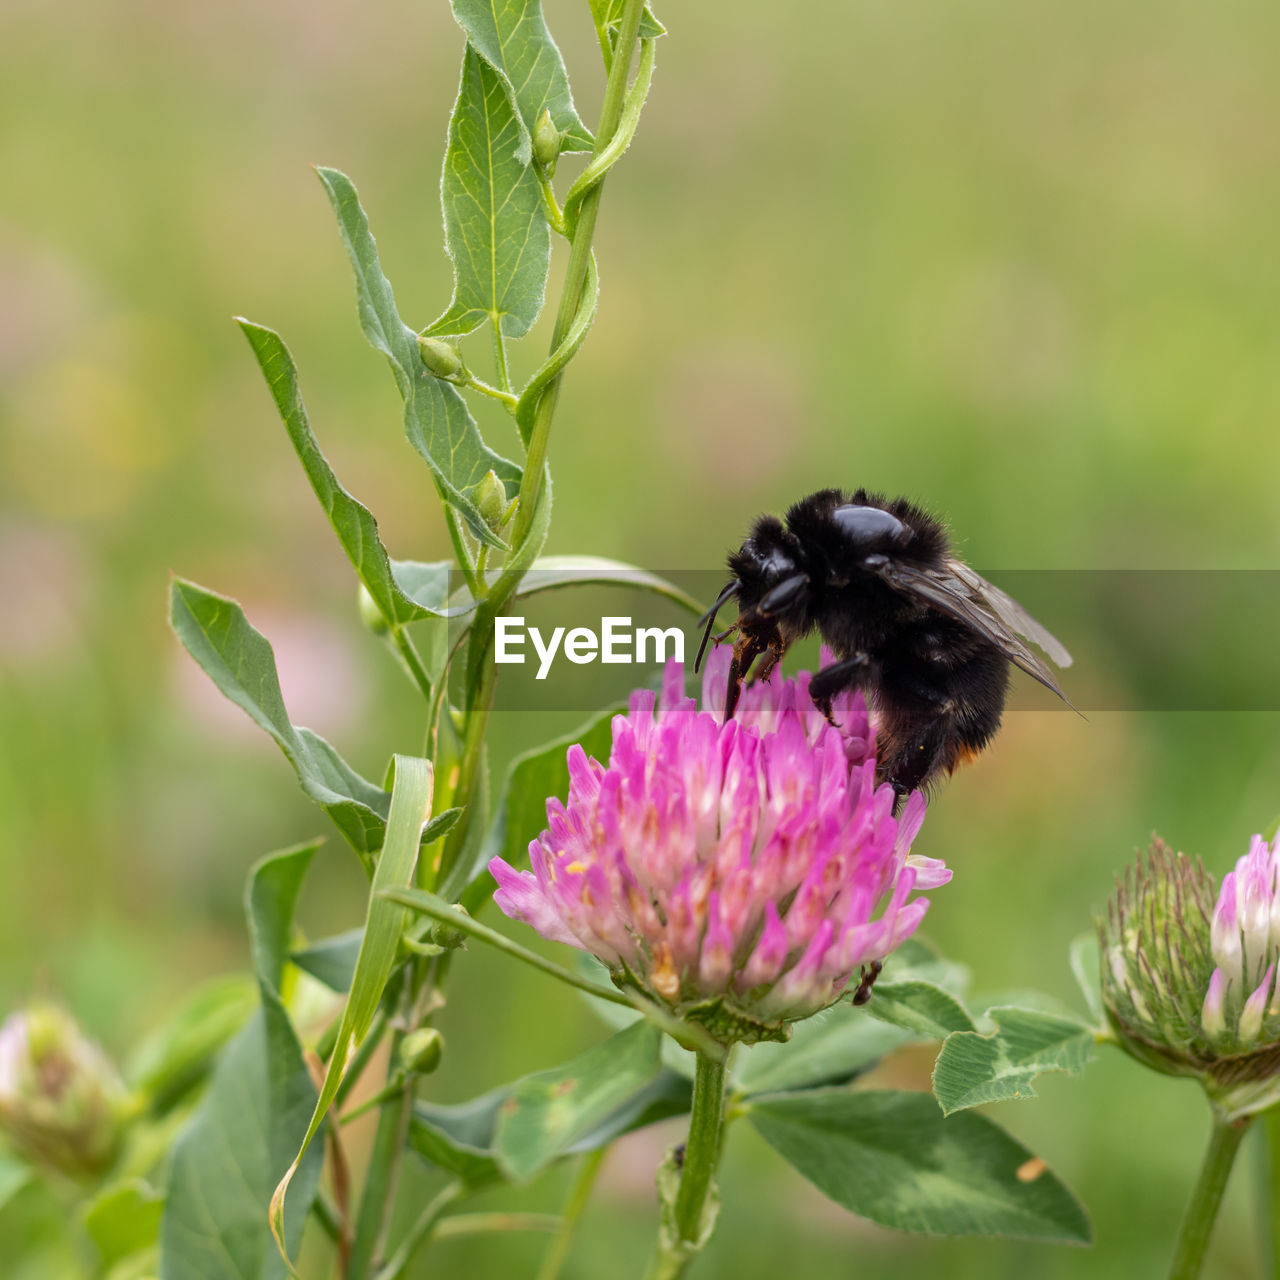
(248, 1127)
(922, 1008)
(891, 1157)
(973, 1068)
(436, 419)
(384, 923)
(546, 1113)
(354, 524)
(512, 37)
(496, 228)
(239, 660)
(332, 960)
(608, 14)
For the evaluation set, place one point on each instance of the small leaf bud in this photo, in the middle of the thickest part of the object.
(546, 140)
(441, 358)
(420, 1050)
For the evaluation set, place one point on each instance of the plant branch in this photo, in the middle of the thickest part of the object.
(576, 272)
(419, 1233)
(1206, 1198)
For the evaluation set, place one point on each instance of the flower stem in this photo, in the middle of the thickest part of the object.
(378, 1197)
(615, 94)
(579, 1194)
(1268, 1193)
(1202, 1209)
(686, 1228)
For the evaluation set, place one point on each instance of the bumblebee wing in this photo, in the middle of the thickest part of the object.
(951, 594)
(1011, 613)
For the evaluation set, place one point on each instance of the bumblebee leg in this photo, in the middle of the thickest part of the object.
(773, 655)
(832, 680)
(745, 652)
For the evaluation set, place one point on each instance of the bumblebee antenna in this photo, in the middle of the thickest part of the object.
(708, 619)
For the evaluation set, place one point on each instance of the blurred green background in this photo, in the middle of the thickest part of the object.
(1018, 260)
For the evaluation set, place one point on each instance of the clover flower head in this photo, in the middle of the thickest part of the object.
(1189, 982)
(61, 1100)
(740, 872)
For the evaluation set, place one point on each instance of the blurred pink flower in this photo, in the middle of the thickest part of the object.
(743, 872)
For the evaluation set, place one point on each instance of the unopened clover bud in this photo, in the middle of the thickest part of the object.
(62, 1103)
(441, 358)
(491, 500)
(1187, 981)
(546, 140)
(446, 935)
(420, 1050)
(370, 614)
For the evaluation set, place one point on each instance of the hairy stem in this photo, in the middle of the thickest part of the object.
(684, 1232)
(1267, 1193)
(1202, 1209)
(579, 259)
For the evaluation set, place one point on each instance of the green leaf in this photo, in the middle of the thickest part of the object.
(239, 660)
(1084, 965)
(252, 1119)
(512, 37)
(122, 1219)
(353, 522)
(891, 1157)
(175, 1056)
(546, 1113)
(384, 922)
(460, 1138)
(532, 779)
(922, 1008)
(496, 228)
(332, 960)
(973, 1068)
(436, 418)
(608, 14)
(830, 1048)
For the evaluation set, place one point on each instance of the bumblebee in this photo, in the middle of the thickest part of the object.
(925, 637)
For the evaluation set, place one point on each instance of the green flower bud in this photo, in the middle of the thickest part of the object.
(370, 614)
(445, 935)
(491, 500)
(62, 1103)
(441, 358)
(546, 140)
(420, 1050)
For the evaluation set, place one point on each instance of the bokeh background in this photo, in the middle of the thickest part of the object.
(1019, 260)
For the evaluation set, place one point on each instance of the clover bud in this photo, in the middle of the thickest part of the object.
(420, 1050)
(370, 614)
(546, 140)
(1188, 981)
(491, 500)
(62, 1103)
(441, 358)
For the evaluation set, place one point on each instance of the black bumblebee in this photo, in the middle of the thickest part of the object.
(929, 640)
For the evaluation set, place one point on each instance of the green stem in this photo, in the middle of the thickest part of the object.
(480, 1224)
(506, 398)
(1268, 1193)
(471, 764)
(1202, 1209)
(420, 1232)
(579, 1194)
(500, 352)
(378, 1197)
(686, 1226)
(615, 94)
(412, 661)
